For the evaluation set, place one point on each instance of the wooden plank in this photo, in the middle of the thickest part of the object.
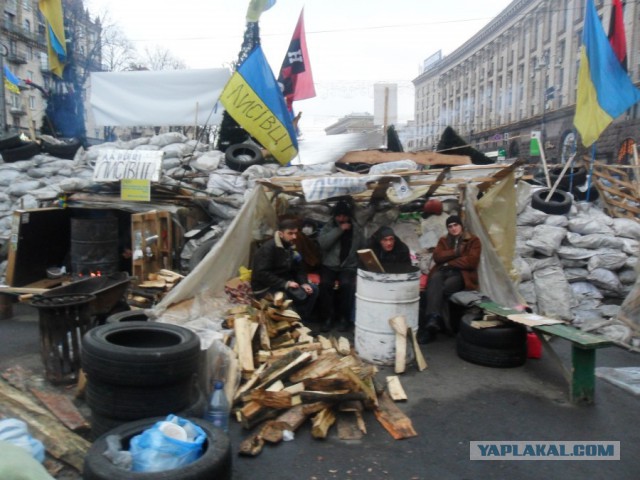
(63, 408)
(399, 325)
(58, 440)
(420, 360)
(584, 339)
(370, 260)
(295, 365)
(393, 419)
(396, 392)
(421, 158)
(242, 330)
(318, 368)
(348, 427)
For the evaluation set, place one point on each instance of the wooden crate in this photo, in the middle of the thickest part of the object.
(156, 253)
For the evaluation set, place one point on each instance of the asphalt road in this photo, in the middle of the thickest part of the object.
(450, 404)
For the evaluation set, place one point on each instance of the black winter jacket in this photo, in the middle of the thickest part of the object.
(274, 264)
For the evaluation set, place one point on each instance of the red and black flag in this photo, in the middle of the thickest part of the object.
(617, 37)
(295, 77)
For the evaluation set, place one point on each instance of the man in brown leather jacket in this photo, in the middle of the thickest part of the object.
(456, 258)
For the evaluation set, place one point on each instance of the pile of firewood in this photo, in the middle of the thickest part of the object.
(152, 289)
(289, 376)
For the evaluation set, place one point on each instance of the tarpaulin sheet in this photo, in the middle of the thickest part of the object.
(162, 98)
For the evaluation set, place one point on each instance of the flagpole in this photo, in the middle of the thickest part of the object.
(3, 105)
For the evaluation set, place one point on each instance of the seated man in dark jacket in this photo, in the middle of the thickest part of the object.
(277, 266)
(393, 253)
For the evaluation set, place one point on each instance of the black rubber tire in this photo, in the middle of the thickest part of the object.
(128, 316)
(23, 152)
(101, 424)
(66, 150)
(509, 336)
(10, 141)
(215, 461)
(201, 251)
(126, 402)
(489, 357)
(241, 156)
(558, 204)
(140, 353)
(578, 177)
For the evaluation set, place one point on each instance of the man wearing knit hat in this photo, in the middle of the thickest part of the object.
(339, 240)
(456, 259)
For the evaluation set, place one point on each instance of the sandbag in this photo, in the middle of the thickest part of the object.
(554, 294)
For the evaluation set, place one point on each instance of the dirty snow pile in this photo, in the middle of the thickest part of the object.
(578, 267)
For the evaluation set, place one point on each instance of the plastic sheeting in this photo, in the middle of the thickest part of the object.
(159, 98)
(494, 278)
(227, 255)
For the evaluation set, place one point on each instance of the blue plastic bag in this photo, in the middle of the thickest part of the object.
(16, 432)
(154, 451)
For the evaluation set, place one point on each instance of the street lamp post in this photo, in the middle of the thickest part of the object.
(3, 107)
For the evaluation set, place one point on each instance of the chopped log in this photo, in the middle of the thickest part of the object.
(283, 315)
(153, 284)
(331, 397)
(311, 408)
(272, 430)
(278, 400)
(396, 392)
(361, 425)
(275, 386)
(278, 363)
(250, 382)
(420, 360)
(343, 347)
(63, 408)
(58, 440)
(393, 419)
(253, 413)
(325, 342)
(352, 406)
(251, 446)
(319, 368)
(399, 325)
(239, 310)
(348, 428)
(294, 418)
(322, 422)
(295, 388)
(285, 371)
(302, 347)
(327, 384)
(242, 330)
(278, 299)
(365, 386)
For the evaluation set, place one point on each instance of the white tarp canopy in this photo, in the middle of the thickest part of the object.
(162, 98)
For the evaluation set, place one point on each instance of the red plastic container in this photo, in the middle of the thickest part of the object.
(534, 346)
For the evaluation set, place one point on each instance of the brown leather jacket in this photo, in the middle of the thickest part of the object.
(466, 259)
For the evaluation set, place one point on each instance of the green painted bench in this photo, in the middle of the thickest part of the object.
(582, 376)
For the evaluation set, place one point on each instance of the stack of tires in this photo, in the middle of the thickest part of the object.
(503, 346)
(137, 369)
(573, 182)
(215, 462)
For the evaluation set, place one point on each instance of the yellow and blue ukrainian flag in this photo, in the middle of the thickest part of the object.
(56, 43)
(11, 82)
(253, 98)
(605, 91)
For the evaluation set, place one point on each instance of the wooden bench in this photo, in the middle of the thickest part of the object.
(581, 377)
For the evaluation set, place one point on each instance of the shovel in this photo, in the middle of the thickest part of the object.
(399, 325)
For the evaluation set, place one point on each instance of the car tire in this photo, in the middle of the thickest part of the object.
(128, 316)
(215, 462)
(578, 177)
(241, 156)
(140, 353)
(66, 149)
(23, 152)
(508, 336)
(581, 196)
(127, 402)
(558, 204)
(491, 357)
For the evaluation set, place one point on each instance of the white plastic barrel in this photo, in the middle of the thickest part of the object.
(380, 297)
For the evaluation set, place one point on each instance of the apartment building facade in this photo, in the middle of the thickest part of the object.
(518, 75)
(24, 52)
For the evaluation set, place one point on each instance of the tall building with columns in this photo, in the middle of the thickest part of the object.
(517, 75)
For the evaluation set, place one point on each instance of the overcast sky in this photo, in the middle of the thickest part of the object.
(352, 43)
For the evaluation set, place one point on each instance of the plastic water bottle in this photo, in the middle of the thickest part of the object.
(218, 410)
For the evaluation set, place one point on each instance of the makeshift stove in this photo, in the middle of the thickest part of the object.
(94, 246)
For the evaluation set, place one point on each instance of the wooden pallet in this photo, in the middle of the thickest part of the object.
(156, 254)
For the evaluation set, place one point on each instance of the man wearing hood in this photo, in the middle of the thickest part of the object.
(277, 266)
(339, 240)
(393, 253)
(456, 259)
